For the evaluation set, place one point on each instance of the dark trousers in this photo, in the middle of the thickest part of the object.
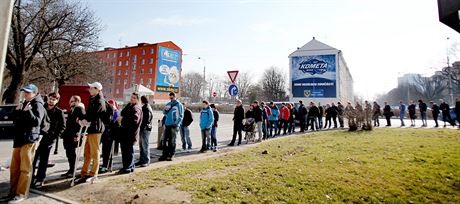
(127, 155)
(328, 122)
(285, 124)
(312, 123)
(107, 143)
(435, 118)
(302, 125)
(70, 153)
(341, 121)
(291, 126)
(388, 117)
(42, 154)
(169, 142)
(320, 122)
(446, 118)
(237, 128)
(334, 119)
(273, 125)
(56, 146)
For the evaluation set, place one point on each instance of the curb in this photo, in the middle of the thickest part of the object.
(54, 197)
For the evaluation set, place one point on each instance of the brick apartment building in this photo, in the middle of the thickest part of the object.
(155, 66)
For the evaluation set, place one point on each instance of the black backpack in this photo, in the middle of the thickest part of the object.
(107, 117)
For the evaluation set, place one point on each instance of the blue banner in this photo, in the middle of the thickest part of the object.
(168, 70)
(314, 76)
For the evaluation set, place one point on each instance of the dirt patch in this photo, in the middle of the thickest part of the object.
(166, 194)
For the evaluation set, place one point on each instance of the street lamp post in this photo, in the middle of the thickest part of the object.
(204, 76)
(449, 73)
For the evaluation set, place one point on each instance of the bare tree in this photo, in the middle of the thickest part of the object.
(274, 84)
(48, 34)
(255, 92)
(431, 88)
(192, 86)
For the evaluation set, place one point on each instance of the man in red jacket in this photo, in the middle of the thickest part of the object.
(284, 118)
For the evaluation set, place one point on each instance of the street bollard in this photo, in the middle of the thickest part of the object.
(160, 134)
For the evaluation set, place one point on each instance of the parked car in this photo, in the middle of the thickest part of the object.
(6, 121)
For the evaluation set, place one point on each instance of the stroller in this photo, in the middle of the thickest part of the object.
(249, 128)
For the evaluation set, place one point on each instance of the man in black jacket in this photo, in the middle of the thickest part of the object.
(257, 113)
(57, 127)
(184, 128)
(94, 115)
(320, 116)
(457, 110)
(435, 112)
(144, 135)
(387, 113)
(28, 118)
(445, 109)
(238, 117)
(312, 115)
(302, 112)
(422, 107)
(70, 135)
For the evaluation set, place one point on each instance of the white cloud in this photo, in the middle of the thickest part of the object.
(181, 21)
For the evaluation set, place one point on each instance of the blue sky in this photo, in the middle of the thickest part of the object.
(381, 40)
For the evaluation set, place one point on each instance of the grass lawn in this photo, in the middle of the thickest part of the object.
(385, 165)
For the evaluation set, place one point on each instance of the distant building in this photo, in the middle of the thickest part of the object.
(319, 73)
(155, 66)
(408, 79)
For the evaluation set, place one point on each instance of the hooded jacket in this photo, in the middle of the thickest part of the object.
(275, 114)
(174, 112)
(94, 114)
(131, 123)
(188, 118)
(238, 114)
(72, 126)
(27, 122)
(206, 118)
(284, 113)
(57, 125)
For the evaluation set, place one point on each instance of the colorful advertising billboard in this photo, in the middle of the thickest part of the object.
(168, 70)
(314, 76)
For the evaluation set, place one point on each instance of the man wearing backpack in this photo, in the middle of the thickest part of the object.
(28, 119)
(94, 115)
(56, 128)
(146, 129)
(174, 113)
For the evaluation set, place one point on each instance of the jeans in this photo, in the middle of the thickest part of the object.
(42, 154)
(185, 137)
(144, 147)
(435, 118)
(401, 117)
(313, 123)
(273, 125)
(423, 115)
(265, 124)
(169, 142)
(205, 134)
(214, 138)
(237, 128)
(259, 129)
(291, 126)
(127, 156)
(107, 143)
(446, 118)
(320, 122)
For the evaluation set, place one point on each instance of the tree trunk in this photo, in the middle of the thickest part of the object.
(11, 94)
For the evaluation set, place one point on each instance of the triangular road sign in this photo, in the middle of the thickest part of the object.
(232, 75)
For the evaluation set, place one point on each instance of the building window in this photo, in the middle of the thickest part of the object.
(125, 81)
(151, 51)
(151, 61)
(126, 63)
(133, 68)
(143, 51)
(113, 64)
(127, 53)
(141, 82)
(150, 71)
(121, 54)
(133, 77)
(108, 55)
(126, 72)
(119, 63)
(134, 57)
(119, 72)
(150, 81)
(143, 61)
(113, 72)
(114, 55)
(118, 91)
(118, 81)
(142, 71)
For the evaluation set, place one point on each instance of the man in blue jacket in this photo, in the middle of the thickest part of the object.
(174, 113)
(206, 121)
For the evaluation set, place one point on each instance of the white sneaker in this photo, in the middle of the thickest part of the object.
(93, 179)
(16, 199)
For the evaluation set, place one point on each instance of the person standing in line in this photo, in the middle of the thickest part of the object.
(402, 112)
(445, 110)
(320, 116)
(266, 112)
(274, 119)
(435, 113)
(145, 130)
(302, 113)
(312, 116)
(335, 113)
(184, 129)
(94, 115)
(376, 114)
(412, 115)
(131, 120)
(328, 117)
(340, 111)
(257, 113)
(284, 119)
(238, 117)
(215, 124)
(292, 113)
(70, 135)
(206, 122)
(457, 110)
(57, 127)
(387, 113)
(422, 107)
(28, 119)
(109, 138)
(174, 114)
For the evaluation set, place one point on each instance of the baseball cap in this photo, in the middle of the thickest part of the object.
(96, 85)
(30, 88)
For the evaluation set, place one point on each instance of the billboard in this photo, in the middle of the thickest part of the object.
(314, 76)
(168, 70)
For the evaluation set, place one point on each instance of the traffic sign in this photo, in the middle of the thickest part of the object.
(233, 90)
(214, 94)
(232, 75)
